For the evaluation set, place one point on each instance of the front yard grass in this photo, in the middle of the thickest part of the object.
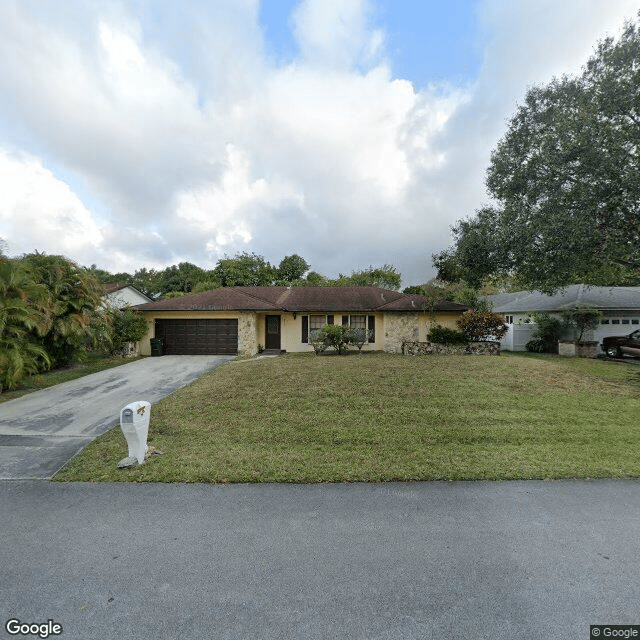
(379, 417)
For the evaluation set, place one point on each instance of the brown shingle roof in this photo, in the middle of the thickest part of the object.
(300, 299)
(225, 299)
(337, 298)
(111, 287)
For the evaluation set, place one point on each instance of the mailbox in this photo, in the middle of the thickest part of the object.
(134, 422)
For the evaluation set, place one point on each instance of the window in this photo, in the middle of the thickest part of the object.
(605, 321)
(313, 323)
(317, 322)
(509, 319)
(635, 321)
(625, 321)
(362, 322)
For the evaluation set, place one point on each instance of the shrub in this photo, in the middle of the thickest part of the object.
(73, 299)
(18, 359)
(336, 336)
(318, 340)
(444, 335)
(537, 345)
(545, 338)
(126, 326)
(339, 337)
(482, 325)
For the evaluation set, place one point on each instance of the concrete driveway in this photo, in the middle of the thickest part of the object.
(42, 431)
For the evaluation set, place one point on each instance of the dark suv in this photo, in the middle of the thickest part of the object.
(618, 346)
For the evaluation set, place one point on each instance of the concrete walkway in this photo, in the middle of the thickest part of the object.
(42, 431)
(422, 561)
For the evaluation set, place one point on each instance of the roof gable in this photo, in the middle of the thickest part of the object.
(119, 294)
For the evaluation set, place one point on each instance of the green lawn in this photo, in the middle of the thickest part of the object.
(93, 364)
(379, 417)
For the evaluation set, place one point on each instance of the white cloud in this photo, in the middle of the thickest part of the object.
(341, 125)
(37, 210)
(119, 115)
(336, 33)
(220, 212)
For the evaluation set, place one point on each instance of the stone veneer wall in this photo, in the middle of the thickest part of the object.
(247, 334)
(400, 328)
(570, 348)
(414, 348)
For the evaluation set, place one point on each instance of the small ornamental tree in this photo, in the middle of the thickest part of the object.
(482, 325)
(582, 320)
(359, 337)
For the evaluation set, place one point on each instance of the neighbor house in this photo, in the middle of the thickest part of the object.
(620, 308)
(246, 320)
(118, 296)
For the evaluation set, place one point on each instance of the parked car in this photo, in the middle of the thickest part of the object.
(618, 346)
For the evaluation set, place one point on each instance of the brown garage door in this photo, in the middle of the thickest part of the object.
(198, 337)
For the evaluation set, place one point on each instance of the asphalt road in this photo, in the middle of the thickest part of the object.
(462, 560)
(42, 431)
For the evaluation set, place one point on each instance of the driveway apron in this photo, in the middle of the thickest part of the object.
(42, 431)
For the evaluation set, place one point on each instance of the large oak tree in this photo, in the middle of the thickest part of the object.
(566, 183)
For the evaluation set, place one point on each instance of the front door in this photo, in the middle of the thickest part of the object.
(272, 332)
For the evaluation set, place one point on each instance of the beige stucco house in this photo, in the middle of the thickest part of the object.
(245, 320)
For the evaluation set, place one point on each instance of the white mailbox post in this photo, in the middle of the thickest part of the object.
(134, 422)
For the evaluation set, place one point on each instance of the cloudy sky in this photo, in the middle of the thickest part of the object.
(352, 132)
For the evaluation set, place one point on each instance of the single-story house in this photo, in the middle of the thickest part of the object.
(620, 308)
(246, 320)
(118, 296)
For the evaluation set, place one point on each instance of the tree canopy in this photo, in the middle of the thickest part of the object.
(246, 270)
(565, 182)
(242, 270)
(291, 269)
(386, 277)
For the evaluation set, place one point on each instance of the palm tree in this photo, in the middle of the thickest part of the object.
(20, 319)
(72, 306)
